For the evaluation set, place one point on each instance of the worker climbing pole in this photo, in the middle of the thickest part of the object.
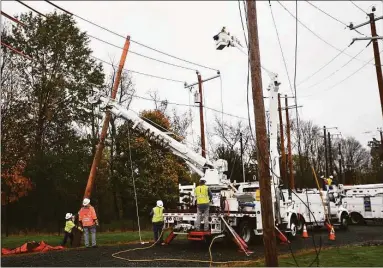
(101, 144)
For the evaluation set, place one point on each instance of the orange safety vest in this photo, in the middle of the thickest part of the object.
(87, 216)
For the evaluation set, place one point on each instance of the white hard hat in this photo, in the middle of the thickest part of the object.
(322, 177)
(68, 216)
(86, 201)
(331, 177)
(202, 179)
(160, 204)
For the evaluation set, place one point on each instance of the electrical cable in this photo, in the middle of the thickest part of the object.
(280, 46)
(41, 14)
(344, 65)
(359, 8)
(136, 72)
(243, 28)
(364, 65)
(133, 41)
(16, 51)
(319, 37)
(324, 12)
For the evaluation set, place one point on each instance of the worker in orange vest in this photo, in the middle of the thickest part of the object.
(88, 220)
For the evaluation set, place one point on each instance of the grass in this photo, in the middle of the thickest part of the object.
(105, 238)
(352, 256)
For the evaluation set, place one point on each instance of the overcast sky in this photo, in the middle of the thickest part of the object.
(185, 29)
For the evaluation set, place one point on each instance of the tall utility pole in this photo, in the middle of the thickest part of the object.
(374, 39)
(203, 148)
(377, 58)
(283, 154)
(325, 152)
(101, 144)
(290, 155)
(199, 83)
(330, 153)
(340, 178)
(242, 163)
(269, 238)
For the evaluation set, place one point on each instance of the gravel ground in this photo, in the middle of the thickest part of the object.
(182, 249)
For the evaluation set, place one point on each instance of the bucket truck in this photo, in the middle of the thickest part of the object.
(231, 208)
(364, 202)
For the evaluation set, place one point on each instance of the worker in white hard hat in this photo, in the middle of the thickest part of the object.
(204, 196)
(88, 220)
(158, 222)
(69, 225)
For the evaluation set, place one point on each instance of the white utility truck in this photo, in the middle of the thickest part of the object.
(230, 208)
(364, 202)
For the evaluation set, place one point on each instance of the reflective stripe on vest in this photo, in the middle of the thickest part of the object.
(202, 194)
(157, 214)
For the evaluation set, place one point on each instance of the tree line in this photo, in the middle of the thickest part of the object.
(50, 132)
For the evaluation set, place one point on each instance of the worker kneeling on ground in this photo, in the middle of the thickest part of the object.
(89, 221)
(157, 215)
(204, 195)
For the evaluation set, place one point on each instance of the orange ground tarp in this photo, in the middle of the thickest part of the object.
(30, 247)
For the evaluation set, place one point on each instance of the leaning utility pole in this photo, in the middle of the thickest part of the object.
(290, 154)
(101, 144)
(330, 153)
(282, 135)
(325, 152)
(203, 148)
(269, 238)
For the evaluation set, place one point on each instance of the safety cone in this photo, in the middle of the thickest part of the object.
(328, 226)
(331, 236)
(305, 233)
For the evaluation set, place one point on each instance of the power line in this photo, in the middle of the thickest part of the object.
(280, 46)
(364, 65)
(358, 7)
(133, 41)
(243, 27)
(149, 75)
(138, 54)
(324, 66)
(341, 22)
(344, 65)
(116, 46)
(319, 37)
(41, 14)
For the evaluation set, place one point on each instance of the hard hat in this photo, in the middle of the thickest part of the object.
(86, 201)
(68, 216)
(322, 177)
(331, 177)
(202, 179)
(160, 204)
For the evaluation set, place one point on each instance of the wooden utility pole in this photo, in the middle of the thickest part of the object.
(283, 154)
(101, 144)
(340, 179)
(290, 154)
(242, 163)
(269, 238)
(377, 58)
(325, 152)
(330, 154)
(201, 115)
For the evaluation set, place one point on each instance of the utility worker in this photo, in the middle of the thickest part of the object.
(204, 196)
(69, 225)
(158, 222)
(88, 220)
(329, 182)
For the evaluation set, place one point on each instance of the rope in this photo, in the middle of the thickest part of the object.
(114, 255)
(134, 187)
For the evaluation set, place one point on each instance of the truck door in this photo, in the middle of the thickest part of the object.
(367, 207)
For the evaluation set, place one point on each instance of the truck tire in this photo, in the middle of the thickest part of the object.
(356, 218)
(344, 221)
(246, 231)
(293, 228)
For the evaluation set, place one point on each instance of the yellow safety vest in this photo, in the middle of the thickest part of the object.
(158, 214)
(69, 226)
(202, 194)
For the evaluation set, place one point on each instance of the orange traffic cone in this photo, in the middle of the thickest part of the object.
(305, 233)
(328, 226)
(331, 236)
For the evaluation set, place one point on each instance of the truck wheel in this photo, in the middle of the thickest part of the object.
(300, 224)
(356, 218)
(293, 228)
(246, 232)
(344, 222)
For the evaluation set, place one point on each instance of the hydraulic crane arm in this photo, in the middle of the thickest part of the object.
(194, 160)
